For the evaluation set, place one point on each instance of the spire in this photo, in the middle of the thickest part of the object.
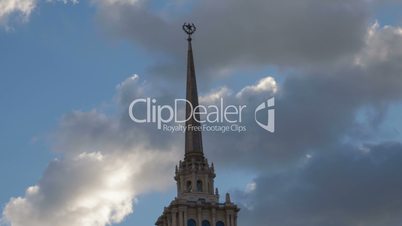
(193, 140)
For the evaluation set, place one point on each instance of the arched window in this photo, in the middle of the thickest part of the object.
(199, 186)
(189, 187)
(220, 223)
(191, 222)
(205, 223)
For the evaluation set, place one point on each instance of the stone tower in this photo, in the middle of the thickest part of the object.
(197, 202)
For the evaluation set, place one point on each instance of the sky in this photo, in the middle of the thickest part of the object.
(70, 155)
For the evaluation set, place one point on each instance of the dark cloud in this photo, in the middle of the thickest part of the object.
(347, 186)
(316, 108)
(238, 33)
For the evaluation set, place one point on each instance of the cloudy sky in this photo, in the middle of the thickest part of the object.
(70, 155)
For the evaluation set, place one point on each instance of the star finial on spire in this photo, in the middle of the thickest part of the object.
(189, 28)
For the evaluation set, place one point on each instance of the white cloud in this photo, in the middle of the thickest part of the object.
(267, 84)
(65, 1)
(382, 43)
(91, 189)
(115, 2)
(250, 187)
(22, 9)
(215, 96)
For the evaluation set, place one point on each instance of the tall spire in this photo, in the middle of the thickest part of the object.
(193, 140)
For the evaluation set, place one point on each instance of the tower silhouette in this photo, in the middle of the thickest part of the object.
(197, 201)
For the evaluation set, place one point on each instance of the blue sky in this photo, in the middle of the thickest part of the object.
(65, 58)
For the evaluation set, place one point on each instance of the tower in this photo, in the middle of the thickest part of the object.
(197, 201)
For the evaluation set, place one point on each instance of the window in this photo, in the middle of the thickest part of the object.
(220, 223)
(189, 187)
(199, 186)
(191, 222)
(205, 223)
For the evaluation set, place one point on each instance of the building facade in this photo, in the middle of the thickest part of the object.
(197, 201)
